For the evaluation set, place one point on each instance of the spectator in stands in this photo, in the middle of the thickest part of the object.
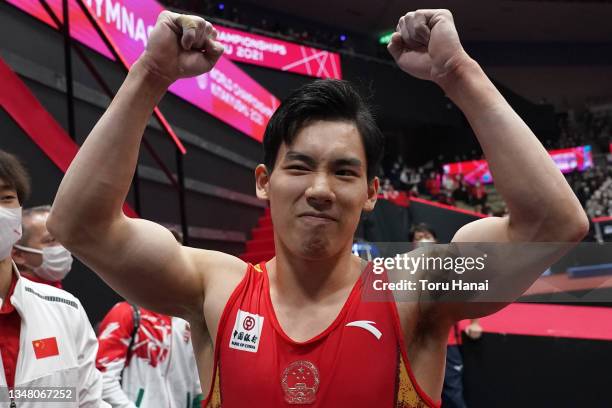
(394, 174)
(39, 257)
(44, 328)
(432, 184)
(404, 179)
(478, 194)
(422, 233)
(452, 390)
(414, 191)
(446, 197)
(462, 192)
(388, 191)
(146, 358)
(450, 183)
(415, 176)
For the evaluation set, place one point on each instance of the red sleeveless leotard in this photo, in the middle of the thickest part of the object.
(359, 361)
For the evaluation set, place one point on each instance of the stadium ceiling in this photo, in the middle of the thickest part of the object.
(478, 20)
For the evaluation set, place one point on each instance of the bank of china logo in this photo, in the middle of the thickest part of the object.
(366, 325)
(246, 332)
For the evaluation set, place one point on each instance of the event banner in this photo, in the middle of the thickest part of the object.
(226, 92)
(577, 158)
(277, 54)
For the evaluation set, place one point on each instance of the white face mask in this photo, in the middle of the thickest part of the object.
(10, 230)
(57, 262)
(425, 242)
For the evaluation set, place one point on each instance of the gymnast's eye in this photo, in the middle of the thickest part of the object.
(298, 167)
(347, 173)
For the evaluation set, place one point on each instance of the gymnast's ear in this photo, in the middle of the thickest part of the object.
(262, 181)
(373, 186)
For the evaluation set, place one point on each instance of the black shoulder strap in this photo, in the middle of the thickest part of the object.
(136, 325)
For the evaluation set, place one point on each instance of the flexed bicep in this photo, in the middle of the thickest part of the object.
(144, 263)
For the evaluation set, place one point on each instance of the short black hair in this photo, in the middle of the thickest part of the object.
(422, 227)
(325, 99)
(14, 174)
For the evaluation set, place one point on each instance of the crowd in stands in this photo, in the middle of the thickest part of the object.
(433, 185)
(593, 187)
(585, 127)
(594, 190)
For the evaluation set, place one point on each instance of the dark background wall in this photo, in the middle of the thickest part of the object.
(531, 371)
(392, 223)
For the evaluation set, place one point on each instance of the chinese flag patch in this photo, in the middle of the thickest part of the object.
(44, 348)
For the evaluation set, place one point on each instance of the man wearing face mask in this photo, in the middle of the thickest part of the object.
(39, 257)
(452, 390)
(44, 328)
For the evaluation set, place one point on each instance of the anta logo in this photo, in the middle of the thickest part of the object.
(246, 332)
(366, 325)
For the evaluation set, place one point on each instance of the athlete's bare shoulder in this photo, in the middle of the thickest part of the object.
(216, 268)
(220, 273)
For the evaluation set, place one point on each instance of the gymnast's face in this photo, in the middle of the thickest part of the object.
(318, 189)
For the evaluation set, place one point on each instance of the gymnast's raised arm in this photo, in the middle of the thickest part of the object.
(141, 260)
(541, 204)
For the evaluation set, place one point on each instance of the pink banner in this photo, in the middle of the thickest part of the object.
(574, 158)
(282, 55)
(226, 92)
(567, 160)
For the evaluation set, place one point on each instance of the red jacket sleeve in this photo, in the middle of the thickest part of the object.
(115, 334)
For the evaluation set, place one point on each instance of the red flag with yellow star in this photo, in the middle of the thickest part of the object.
(44, 348)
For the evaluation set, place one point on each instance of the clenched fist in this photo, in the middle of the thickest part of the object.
(181, 46)
(426, 45)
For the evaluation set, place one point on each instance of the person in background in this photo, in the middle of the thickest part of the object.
(449, 182)
(461, 193)
(39, 257)
(433, 185)
(478, 194)
(46, 339)
(147, 359)
(452, 390)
